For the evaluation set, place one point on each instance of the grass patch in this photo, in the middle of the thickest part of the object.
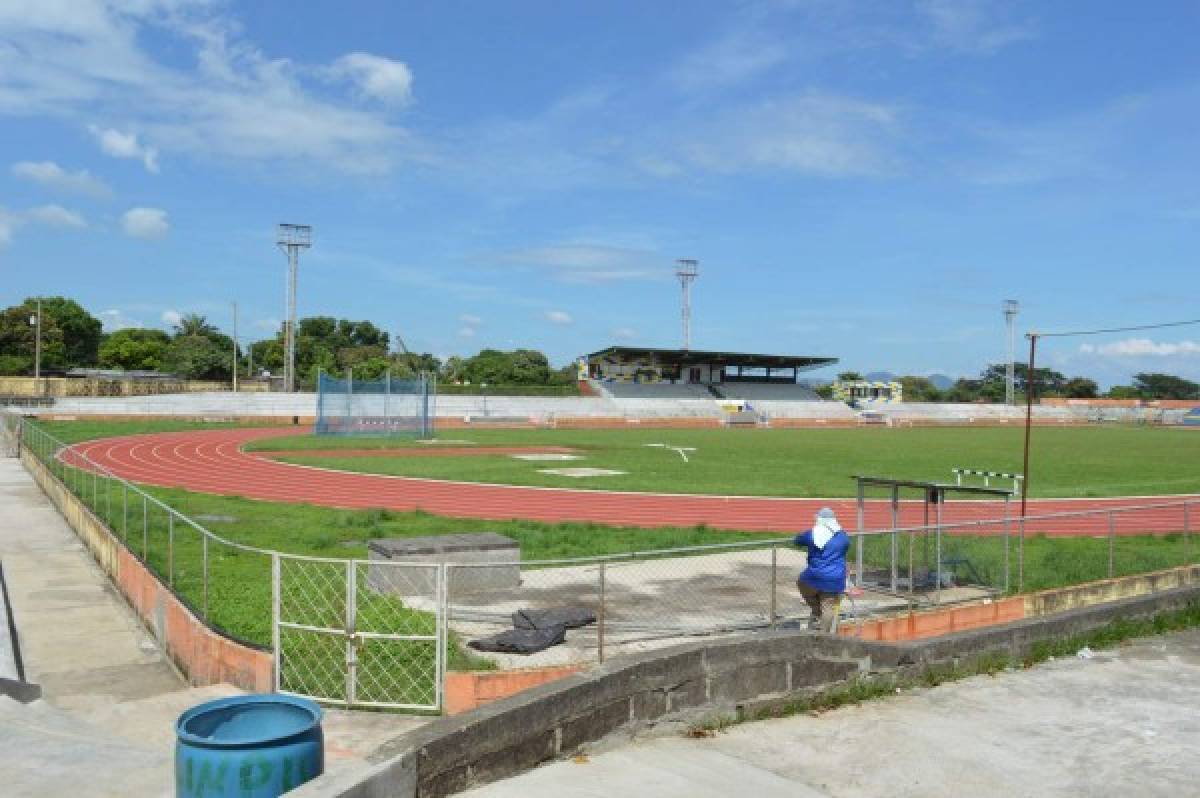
(1071, 461)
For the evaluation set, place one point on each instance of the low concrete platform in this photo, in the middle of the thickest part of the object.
(1119, 723)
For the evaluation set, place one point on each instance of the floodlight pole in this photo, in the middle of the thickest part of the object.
(686, 270)
(235, 349)
(291, 239)
(1030, 385)
(1010, 378)
(36, 323)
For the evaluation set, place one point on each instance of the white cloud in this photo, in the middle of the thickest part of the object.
(269, 324)
(593, 263)
(114, 319)
(558, 317)
(51, 175)
(171, 317)
(470, 320)
(1142, 347)
(624, 333)
(466, 332)
(216, 95)
(8, 226)
(972, 26)
(125, 145)
(56, 216)
(145, 223)
(728, 61)
(375, 76)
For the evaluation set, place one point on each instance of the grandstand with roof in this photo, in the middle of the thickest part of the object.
(626, 372)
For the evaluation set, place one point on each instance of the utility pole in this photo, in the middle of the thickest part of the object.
(35, 321)
(235, 349)
(291, 239)
(1030, 386)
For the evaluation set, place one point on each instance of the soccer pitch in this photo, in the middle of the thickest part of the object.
(1066, 462)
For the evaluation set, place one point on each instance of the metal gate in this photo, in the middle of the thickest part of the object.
(360, 632)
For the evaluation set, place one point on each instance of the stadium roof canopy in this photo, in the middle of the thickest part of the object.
(695, 357)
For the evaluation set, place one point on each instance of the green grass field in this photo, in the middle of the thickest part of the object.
(1066, 461)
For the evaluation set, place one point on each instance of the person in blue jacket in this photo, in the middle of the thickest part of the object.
(823, 582)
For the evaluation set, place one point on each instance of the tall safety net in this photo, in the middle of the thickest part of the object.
(385, 406)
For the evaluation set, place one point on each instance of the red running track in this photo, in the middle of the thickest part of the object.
(212, 461)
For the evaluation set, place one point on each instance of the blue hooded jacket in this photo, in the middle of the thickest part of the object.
(826, 569)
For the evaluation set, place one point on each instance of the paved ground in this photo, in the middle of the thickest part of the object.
(212, 461)
(1123, 723)
(105, 726)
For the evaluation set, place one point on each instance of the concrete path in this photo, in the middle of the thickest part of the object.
(106, 723)
(1121, 723)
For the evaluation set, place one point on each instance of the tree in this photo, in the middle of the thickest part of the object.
(919, 389)
(850, 376)
(134, 348)
(194, 324)
(18, 342)
(454, 369)
(1165, 386)
(196, 357)
(1081, 388)
(1123, 392)
(80, 330)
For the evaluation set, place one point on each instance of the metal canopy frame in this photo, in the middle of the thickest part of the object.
(934, 494)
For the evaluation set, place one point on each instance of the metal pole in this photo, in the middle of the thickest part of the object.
(937, 598)
(275, 616)
(858, 542)
(895, 525)
(1007, 533)
(387, 394)
(774, 599)
(235, 349)
(37, 349)
(145, 530)
(1187, 535)
(171, 548)
(125, 511)
(1021, 555)
(204, 574)
(600, 619)
(351, 634)
(1030, 390)
(1112, 537)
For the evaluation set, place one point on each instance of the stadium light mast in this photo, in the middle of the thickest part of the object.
(291, 239)
(686, 270)
(1011, 306)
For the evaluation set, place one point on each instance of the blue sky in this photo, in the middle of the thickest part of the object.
(860, 179)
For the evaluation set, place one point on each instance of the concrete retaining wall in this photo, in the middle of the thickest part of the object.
(750, 675)
(204, 655)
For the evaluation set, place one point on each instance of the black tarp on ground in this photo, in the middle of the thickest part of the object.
(570, 617)
(522, 641)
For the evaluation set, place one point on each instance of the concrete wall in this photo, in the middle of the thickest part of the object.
(28, 387)
(750, 676)
(204, 655)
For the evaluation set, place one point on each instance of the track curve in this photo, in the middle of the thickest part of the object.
(213, 461)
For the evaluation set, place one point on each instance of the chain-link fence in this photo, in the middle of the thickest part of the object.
(381, 633)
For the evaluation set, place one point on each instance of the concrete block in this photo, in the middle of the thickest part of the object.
(476, 550)
(594, 725)
(687, 695)
(748, 682)
(650, 705)
(533, 750)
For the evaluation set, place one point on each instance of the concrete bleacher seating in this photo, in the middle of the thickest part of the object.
(656, 390)
(778, 391)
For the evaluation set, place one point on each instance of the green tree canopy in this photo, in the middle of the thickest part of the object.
(1165, 386)
(17, 342)
(196, 357)
(135, 348)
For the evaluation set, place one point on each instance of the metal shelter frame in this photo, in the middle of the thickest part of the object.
(934, 494)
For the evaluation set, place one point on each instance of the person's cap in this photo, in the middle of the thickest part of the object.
(825, 512)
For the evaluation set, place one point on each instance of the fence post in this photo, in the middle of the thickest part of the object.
(443, 610)
(937, 563)
(95, 493)
(1187, 532)
(171, 548)
(858, 534)
(145, 530)
(895, 534)
(600, 619)
(351, 633)
(1112, 537)
(774, 603)
(1007, 532)
(125, 511)
(1021, 556)
(275, 617)
(204, 574)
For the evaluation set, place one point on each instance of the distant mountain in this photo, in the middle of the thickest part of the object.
(941, 381)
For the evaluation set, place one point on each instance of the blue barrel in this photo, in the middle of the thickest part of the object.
(253, 746)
